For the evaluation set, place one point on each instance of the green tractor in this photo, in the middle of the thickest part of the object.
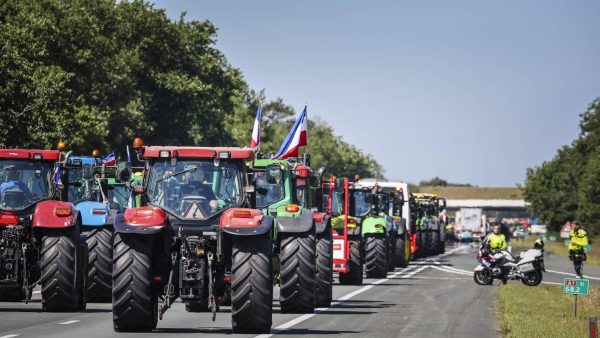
(371, 227)
(292, 193)
(430, 231)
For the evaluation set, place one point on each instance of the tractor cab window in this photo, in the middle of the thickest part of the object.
(267, 192)
(118, 196)
(24, 182)
(360, 203)
(194, 189)
(337, 204)
(79, 188)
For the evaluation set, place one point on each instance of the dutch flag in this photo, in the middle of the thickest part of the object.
(110, 159)
(296, 138)
(255, 140)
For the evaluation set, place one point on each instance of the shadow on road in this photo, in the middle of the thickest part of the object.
(194, 330)
(310, 332)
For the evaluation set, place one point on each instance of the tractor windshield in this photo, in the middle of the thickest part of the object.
(79, 188)
(360, 203)
(194, 189)
(268, 193)
(118, 196)
(24, 182)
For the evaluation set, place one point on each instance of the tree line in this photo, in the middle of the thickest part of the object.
(96, 74)
(568, 186)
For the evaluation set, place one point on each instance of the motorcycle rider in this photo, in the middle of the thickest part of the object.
(494, 241)
(578, 241)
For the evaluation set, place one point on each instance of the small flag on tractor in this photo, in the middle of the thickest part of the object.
(56, 177)
(255, 140)
(295, 139)
(110, 159)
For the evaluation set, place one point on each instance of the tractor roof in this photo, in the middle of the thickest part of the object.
(263, 162)
(48, 155)
(197, 152)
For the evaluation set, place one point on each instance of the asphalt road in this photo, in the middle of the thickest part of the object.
(433, 297)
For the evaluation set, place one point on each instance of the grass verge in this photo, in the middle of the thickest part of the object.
(543, 311)
(558, 248)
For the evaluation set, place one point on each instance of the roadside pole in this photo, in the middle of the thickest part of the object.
(593, 327)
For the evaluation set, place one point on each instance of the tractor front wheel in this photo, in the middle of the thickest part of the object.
(252, 284)
(376, 249)
(134, 302)
(61, 289)
(298, 270)
(355, 264)
(324, 265)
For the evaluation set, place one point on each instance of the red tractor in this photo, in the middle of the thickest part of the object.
(39, 234)
(197, 236)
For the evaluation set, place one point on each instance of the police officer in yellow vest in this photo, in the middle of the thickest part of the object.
(495, 240)
(578, 241)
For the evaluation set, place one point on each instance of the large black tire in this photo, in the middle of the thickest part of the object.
(420, 244)
(11, 294)
(400, 254)
(376, 262)
(99, 274)
(60, 278)
(297, 277)
(355, 265)
(252, 284)
(134, 302)
(532, 278)
(435, 243)
(392, 235)
(324, 265)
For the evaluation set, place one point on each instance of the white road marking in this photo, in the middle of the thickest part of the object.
(571, 274)
(70, 322)
(10, 336)
(34, 292)
(443, 278)
(552, 283)
(298, 320)
(451, 271)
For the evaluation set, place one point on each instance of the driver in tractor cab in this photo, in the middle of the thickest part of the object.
(13, 182)
(196, 187)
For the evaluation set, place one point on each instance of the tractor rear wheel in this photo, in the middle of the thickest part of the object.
(99, 276)
(324, 265)
(435, 243)
(252, 284)
(61, 289)
(134, 302)
(376, 262)
(400, 254)
(298, 270)
(355, 265)
(11, 294)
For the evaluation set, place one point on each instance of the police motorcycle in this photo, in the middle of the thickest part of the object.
(500, 264)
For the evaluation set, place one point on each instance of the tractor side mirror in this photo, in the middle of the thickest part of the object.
(123, 172)
(273, 174)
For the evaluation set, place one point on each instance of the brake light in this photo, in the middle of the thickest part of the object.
(143, 212)
(227, 279)
(378, 226)
(98, 211)
(156, 278)
(242, 214)
(62, 212)
(351, 221)
(8, 218)
(292, 208)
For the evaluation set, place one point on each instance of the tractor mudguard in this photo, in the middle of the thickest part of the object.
(54, 214)
(373, 225)
(321, 221)
(245, 222)
(301, 223)
(142, 220)
(93, 214)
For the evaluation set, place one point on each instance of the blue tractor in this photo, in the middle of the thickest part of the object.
(85, 186)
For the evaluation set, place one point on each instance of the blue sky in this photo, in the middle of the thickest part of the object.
(470, 91)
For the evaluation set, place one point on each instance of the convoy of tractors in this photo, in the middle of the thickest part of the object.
(208, 226)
